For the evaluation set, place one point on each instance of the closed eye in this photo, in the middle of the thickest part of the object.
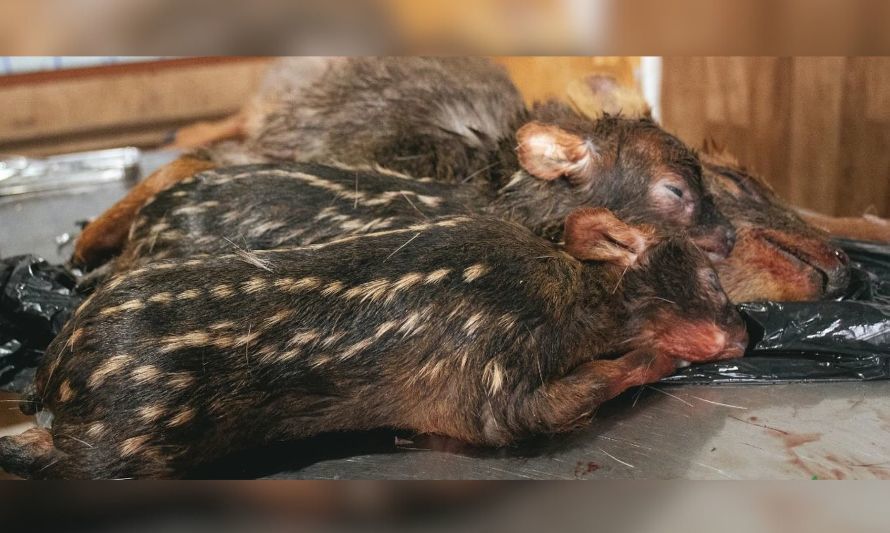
(676, 190)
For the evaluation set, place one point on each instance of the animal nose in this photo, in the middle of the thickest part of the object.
(717, 242)
(837, 275)
(841, 256)
(729, 239)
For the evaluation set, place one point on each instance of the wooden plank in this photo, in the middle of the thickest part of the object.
(683, 98)
(82, 105)
(864, 173)
(769, 132)
(727, 98)
(814, 147)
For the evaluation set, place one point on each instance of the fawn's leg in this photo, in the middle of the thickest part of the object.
(567, 402)
(206, 133)
(866, 227)
(105, 236)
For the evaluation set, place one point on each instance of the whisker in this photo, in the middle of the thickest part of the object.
(405, 196)
(402, 246)
(620, 280)
(669, 394)
(719, 403)
(617, 459)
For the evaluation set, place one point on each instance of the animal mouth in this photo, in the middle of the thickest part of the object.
(798, 258)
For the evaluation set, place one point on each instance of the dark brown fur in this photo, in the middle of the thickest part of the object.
(777, 256)
(470, 327)
(104, 237)
(462, 121)
(255, 207)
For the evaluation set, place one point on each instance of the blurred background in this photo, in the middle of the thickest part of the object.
(815, 127)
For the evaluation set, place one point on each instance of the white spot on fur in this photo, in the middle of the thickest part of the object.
(493, 375)
(181, 418)
(189, 294)
(150, 413)
(407, 281)
(254, 285)
(161, 298)
(107, 368)
(188, 340)
(332, 288)
(188, 210)
(472, 273)
(266, 227)
(180, 380)
(355, 348)
(385, 328)
(222, 291)
(371, 290)
(437, 275)
(277, 318)
(144, 374)
(130, 305)
(473, 323)
(302, 338)
(332, 338)
(292, 285)
(133, 445)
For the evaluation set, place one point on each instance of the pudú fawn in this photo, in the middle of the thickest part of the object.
(265, 206)
(465, 326)
(456, 121)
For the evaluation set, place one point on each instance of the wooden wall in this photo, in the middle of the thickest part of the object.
(817, 128)
(130, 104)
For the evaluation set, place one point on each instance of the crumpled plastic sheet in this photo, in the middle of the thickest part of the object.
(36, 299)
(842, 340)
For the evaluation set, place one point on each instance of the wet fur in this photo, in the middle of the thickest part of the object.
(456, 120)
(777, 255)
(470, 327)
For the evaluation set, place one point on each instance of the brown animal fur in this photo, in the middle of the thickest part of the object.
(470, 327)
(461, 120)
(104, 237)
(777, 255)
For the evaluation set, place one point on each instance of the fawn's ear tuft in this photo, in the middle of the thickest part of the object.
(595, 234)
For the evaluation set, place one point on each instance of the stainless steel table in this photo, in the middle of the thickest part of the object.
(796, 431)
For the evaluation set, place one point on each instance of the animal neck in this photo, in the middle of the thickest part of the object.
(600, 319)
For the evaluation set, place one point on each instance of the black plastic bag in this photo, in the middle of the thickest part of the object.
(36, 299)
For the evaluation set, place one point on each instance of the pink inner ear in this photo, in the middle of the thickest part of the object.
(595, 234)
(549, 152)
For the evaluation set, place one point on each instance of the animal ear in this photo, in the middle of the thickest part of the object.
(595, 234)
(549, 152)
(600, 94)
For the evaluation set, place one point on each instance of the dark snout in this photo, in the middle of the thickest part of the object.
(736, 334)
(715, 241)
(826, 259)
(837, 272)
